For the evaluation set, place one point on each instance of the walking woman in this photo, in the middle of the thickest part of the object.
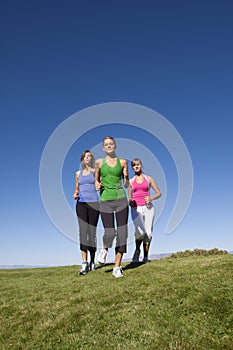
(87, 209)
(142, 209)
(110, 173)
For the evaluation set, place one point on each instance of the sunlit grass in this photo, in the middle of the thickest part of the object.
(183, 303)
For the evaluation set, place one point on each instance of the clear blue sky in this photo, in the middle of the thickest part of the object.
(59, 57)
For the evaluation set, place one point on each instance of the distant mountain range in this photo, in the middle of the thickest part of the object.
(22, 266)
(151, 257)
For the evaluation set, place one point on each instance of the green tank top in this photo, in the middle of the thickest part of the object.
(111, 178)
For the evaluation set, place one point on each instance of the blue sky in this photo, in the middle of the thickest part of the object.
(58, 58)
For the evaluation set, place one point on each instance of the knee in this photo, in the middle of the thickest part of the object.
(110, 233)
(139, 235)
(147, 238)
(108, 238)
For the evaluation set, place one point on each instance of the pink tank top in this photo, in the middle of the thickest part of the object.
(140, 191)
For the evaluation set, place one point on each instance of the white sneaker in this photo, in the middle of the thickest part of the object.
(84, 268)
(136, 256)
(102, 256)
(92, 267)
(117, 272)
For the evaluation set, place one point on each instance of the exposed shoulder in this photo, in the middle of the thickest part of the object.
(99, 162)
(148, 177)
(131, 180)
(77, 173)
(123, 161)
(151, 180)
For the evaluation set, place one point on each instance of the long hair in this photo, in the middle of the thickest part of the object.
(92, 163)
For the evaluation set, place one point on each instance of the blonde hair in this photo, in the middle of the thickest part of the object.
(109, 137)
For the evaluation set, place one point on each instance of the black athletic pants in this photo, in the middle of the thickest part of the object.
(121, 210)
(88, 215)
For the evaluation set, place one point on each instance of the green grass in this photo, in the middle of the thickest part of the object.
(183, 303)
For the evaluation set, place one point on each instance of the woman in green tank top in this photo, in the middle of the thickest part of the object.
(110, 171)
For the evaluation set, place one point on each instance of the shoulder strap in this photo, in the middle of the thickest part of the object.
(132, 181)
(103, 162)
(147, 180)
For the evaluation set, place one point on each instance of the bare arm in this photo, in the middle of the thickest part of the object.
(155, 187)
(130, 191)
(98, 164)
(125, 172)
(75, 195)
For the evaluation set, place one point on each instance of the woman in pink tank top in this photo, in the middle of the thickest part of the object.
(142, 209)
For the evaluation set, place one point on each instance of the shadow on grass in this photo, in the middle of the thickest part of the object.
(98, 267)
(131, 265)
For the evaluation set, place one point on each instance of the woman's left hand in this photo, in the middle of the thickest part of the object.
(147, 199)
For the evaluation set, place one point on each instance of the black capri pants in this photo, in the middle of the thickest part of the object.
(121, 210)
(88, 215)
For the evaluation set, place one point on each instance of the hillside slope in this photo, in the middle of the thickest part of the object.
(183, 303)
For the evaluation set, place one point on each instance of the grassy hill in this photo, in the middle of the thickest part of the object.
(168, 304)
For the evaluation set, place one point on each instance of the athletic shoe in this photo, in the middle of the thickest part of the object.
(102, 256)
(145, 260)
(84, 268)
(117, 272)
(136, 256)
(92, 267)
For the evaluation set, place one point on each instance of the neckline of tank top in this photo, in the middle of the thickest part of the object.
(144, 178)
(90, 173)
(105, 162)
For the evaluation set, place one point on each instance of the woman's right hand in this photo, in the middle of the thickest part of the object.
(98, 185)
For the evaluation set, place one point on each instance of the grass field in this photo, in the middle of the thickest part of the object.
(184, 303)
